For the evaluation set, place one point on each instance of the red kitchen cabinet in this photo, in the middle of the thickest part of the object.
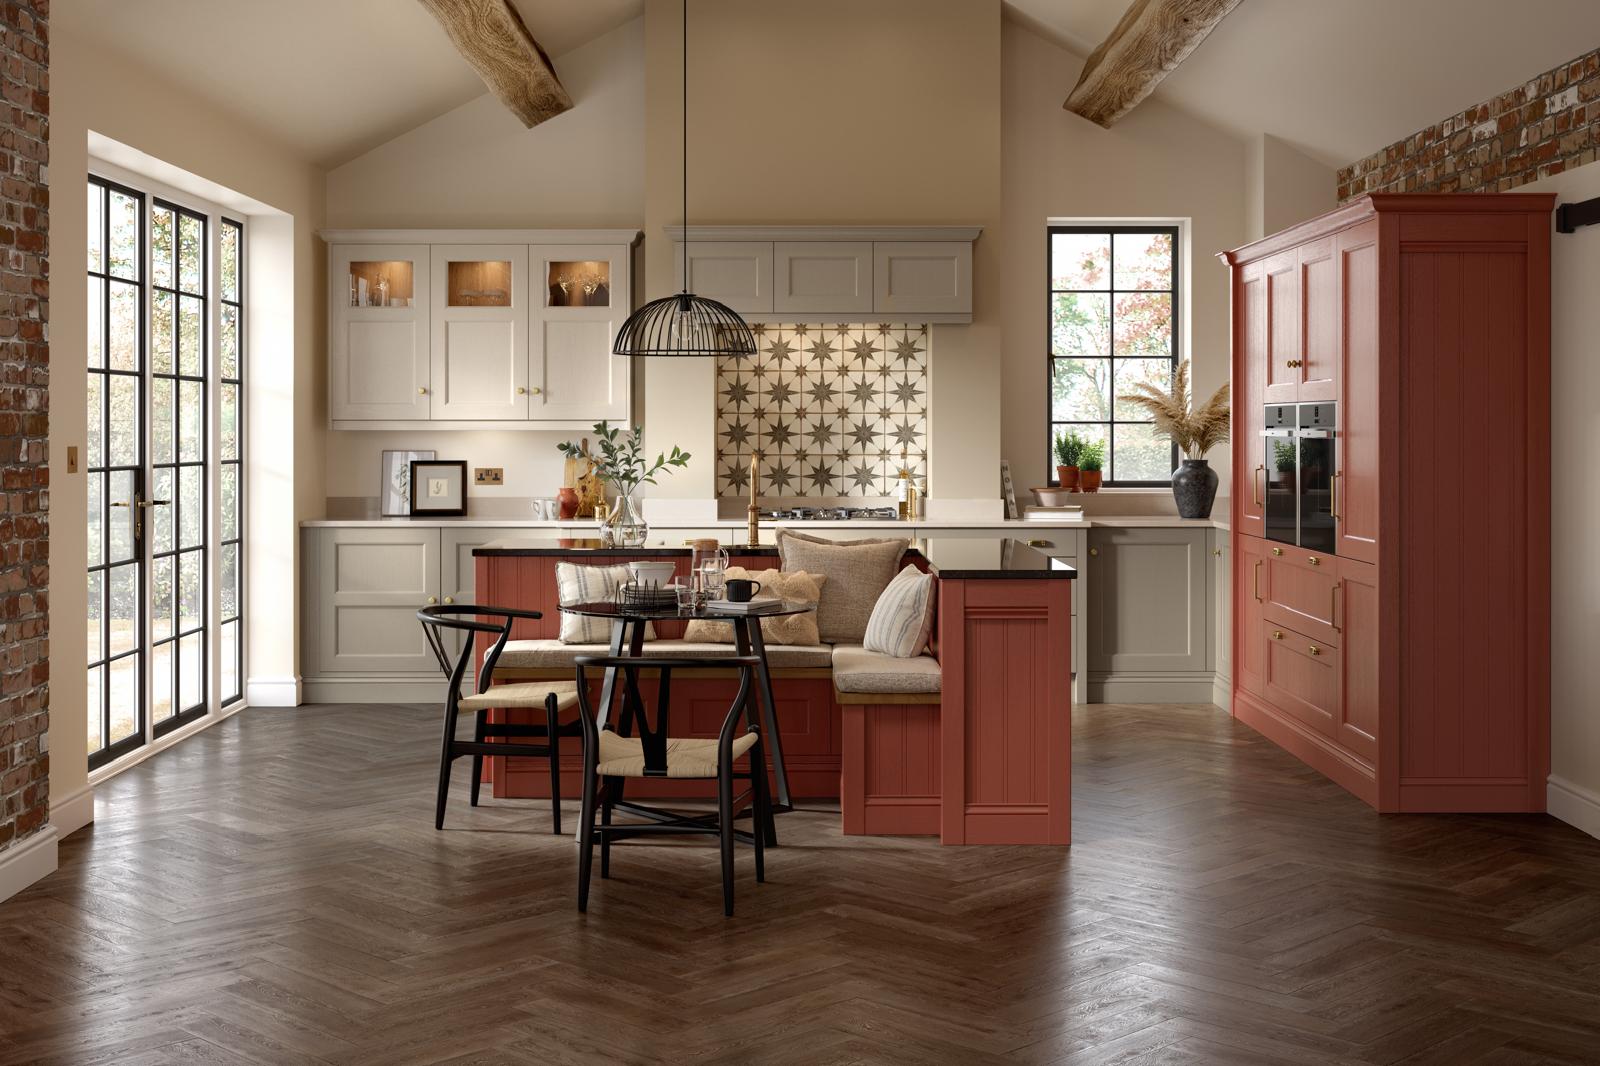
(1411, 665)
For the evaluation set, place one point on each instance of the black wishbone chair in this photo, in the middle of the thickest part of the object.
(610, 757)
(553, 696)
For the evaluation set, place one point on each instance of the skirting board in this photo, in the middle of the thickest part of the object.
(23, 864)
(72, 813)
(1572, 803)
(1152, 688)
(428, 689)
(272, 691)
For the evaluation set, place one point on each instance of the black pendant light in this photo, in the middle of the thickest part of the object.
(685, 324)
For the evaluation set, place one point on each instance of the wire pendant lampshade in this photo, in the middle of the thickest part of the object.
(684, 324)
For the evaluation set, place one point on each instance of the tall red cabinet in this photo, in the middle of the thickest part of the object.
(1411, 664)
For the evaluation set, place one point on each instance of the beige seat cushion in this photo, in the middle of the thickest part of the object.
(799, 587)
(857, 572)
(531, 694)
(624, 756)
(547, 653)
(855, 669)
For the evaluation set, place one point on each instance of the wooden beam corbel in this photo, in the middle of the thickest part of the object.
(1151, 39)
(491, 36)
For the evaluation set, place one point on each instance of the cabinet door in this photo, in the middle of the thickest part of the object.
(822, 277)
(1301, 591)
(1356, 479)
(1357, 727)
(1249, 416)
(1147, 600)
(457, 574)
(736, 273)
(480, 332)
(1249, 640)
(1282, 384)
(1222, 603)
(922, 277)
(1303, 678)
(580, 296)
(1319, 295)
(378, 303)
(372, 582)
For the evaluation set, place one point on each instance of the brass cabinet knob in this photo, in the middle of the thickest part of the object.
(421, 391)
(1313, 560)
(449, 599)
(1277, 634)
(521, 391)
(1277, 551)
(1314, 650)
(432, 600)
(1216, 551)
(534, 391)
(1094, 551)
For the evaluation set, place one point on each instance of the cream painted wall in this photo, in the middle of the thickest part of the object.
(1294, 187)
(92, 89)
(478, 167)
(843, 112)
(1575, 511)
(1157, 161)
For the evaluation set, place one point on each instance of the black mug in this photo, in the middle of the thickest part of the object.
(741, 590)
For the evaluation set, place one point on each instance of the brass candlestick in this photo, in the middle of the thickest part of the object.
(752, 531)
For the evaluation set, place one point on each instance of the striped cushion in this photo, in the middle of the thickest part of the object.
(590, 584)
(903, 616)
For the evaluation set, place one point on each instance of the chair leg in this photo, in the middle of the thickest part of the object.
(552, 734)
(445, 758)
(477, 760)
(763, 811)
(586, 839)
(605, 838)
(725, 831)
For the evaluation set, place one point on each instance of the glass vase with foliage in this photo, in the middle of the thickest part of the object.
(1195, 430)
(620, 460)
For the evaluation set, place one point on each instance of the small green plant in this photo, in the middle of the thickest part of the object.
(1093, 456)
(1069, 448)
(620, 457)
(1283, 456)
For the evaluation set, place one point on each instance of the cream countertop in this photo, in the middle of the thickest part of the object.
(1218, 520)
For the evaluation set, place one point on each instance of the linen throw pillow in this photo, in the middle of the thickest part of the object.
(856, 571)
(576, 583)
(775, 585)
(903, 616)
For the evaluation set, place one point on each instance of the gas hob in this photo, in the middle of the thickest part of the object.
(830, 514)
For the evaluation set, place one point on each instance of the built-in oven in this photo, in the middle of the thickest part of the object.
(1298, 444)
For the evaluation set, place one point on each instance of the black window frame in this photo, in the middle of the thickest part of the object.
(225, 699)
(1051, 424)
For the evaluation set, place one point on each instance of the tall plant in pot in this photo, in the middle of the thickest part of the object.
(1069, 449)
(1090, 463)
(1197, 431)
(619, 460)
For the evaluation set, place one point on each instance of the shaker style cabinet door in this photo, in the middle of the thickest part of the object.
(378, 304)
(1249, 592)
(480, 333)
(1358, 617)
(579, 297)
(372, 583)
(1319, 296)
(1249, 378)
(922, 277)
(1284, 337)
(1355, 482)
(735, 273)
(822, 277)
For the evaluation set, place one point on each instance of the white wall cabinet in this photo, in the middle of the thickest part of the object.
(822, 276)
(735, 273)
(478, 329)
(922, 277)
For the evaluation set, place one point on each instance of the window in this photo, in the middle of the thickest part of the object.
(165, 364)
(1113, 324)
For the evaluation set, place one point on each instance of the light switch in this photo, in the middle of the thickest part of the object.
(488, 475)
(72, 458)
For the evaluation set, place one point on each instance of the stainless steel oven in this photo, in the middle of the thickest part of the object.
(1298, 447)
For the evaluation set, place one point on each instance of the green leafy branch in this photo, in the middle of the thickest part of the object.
(620, 457)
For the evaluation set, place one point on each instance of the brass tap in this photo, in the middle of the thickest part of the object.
(752, 531)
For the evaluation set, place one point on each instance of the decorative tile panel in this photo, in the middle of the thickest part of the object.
(829, 408)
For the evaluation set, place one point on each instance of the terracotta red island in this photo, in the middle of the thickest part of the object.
(985, 759)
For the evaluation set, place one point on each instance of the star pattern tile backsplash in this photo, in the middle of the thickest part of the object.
(829, 408)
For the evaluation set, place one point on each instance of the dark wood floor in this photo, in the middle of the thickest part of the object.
(273, 891)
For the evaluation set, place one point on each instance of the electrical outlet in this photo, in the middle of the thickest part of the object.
(488, 475)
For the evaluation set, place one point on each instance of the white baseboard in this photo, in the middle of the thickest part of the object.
(1572, 803)
(429, 689)
(71, 813)
(23, 864)
(1152, 688)
(1222, 693)
(272, 692)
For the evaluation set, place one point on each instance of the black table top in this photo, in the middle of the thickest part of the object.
(607, 609)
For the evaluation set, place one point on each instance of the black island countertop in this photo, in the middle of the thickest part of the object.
(952, 558)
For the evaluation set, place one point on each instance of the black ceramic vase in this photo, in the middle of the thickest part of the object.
(1194, 487)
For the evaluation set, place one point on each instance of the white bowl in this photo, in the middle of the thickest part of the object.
(646, 571)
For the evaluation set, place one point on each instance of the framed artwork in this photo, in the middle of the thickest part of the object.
(395, 488)
(1007, 489)
(438, 488)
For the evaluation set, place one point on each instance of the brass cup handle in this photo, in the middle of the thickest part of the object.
(1277, 634)
(1313, 560)
(1277, 551)
(1314, 650)
(1037, 543)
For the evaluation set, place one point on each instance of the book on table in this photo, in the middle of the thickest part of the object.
(755, 606)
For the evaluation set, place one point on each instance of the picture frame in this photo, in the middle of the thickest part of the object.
(1008, 490)
(394, 483)
(438, 488)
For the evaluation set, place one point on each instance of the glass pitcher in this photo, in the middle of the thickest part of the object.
(708, 570)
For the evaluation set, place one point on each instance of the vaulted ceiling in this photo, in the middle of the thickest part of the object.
(329, 78)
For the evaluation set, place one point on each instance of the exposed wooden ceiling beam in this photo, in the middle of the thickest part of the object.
(491, 36)
(1151, 39)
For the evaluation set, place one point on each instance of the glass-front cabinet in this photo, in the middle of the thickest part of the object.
(480, 333)
(378, 324)
(581, 297)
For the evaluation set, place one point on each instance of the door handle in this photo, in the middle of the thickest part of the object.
(139, 506)
(1333, 495)
(1333, 606)
(1255, 485)
(1258, 580)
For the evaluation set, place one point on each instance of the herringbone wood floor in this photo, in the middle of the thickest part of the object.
(273, 891)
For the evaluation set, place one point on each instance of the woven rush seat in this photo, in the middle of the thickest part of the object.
(528, 694)
(686, 757)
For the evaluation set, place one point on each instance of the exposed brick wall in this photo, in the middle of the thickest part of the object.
(24, 417)
(1548, 125)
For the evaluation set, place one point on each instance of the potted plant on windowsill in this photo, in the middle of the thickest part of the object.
(622, 463)
(1091, 460)
(1194, 483)
(1069, 449)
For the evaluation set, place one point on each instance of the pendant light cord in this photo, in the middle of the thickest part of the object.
(685, 145)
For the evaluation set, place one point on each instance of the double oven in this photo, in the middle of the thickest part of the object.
(1298, 448)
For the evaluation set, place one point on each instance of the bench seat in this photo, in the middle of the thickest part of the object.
(859, 671)
(549, 653)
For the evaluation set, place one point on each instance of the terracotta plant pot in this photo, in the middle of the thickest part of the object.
(1067, 477)
(568, 499)
(1090, 480)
